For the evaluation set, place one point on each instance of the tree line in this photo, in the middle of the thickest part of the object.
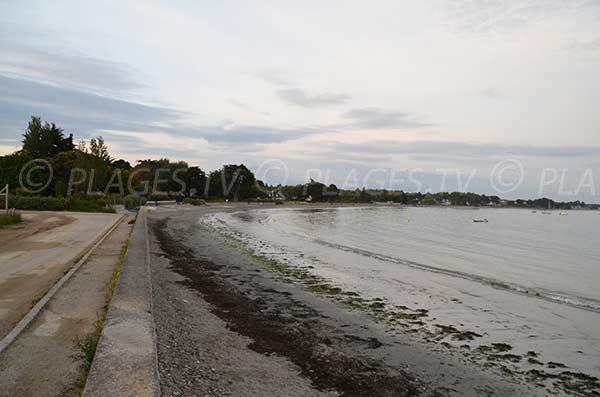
(86, 168)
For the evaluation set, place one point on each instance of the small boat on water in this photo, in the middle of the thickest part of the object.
(563, 213)
(480, 220)
(546, 212)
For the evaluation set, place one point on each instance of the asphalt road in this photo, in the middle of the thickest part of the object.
(45, 360)
(36, 253)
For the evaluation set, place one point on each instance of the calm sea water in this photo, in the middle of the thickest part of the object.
(552, 256)
(526, 279)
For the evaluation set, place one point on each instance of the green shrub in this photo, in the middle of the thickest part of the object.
(10, 218)
(79, 205)
(36, 203)
(133, 201)
(193, 201)
(161, 197)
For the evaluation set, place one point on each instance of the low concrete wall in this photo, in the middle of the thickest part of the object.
(125, 363)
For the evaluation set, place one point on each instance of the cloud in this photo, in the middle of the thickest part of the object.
(74, 109)
(242, 134)
(584, 47)
(487, 16)
(462, 149)
(85, 114)
(244, 106)
(298, 97)
(592, 45)
(491, 92)
(274, 77)
(378, 118)
(67, 70)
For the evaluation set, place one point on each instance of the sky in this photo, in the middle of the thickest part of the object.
(497, 97)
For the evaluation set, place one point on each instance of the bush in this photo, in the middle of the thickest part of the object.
(36, 203)
(79, 205)
(133, 201)
(161, 197)
(193, 201)
(10, 219)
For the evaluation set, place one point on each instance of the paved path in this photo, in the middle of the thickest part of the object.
(44, 361)
(125, 361)
(35, 254)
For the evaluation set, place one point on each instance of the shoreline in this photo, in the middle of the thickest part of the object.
(527, 359)
(249, 277)
(547, 295)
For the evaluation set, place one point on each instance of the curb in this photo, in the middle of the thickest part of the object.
(125, 363)
(37, 308)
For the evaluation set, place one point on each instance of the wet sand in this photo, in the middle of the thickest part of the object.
(336, 347)
(529, 338)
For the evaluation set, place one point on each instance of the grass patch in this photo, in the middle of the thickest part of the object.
(88, 345)
(194, 201)
(10, 219)
(112, 284)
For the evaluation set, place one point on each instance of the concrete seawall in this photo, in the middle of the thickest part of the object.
(125, 363)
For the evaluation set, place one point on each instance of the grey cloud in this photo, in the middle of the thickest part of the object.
(74, 109)
(296, 96)
(379, 118)
(84, 114)
(463, 150)
(67, 70)
(243, 134)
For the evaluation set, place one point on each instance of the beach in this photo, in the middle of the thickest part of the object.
(238, 320)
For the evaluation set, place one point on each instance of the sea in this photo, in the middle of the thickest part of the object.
(530, 279)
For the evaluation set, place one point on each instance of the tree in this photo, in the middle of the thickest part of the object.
(11, 166)
(45, 140)
(98, 149)
(95, 164)
(62, 166)
(121, 164)
(195, 181)
(238, 182)
(364, 196)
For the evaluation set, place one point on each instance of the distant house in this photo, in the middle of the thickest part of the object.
(277, 195)
(446, 202)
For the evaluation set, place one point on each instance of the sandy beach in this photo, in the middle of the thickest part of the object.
(241, 325)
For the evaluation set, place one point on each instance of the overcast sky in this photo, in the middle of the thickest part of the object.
(407, 91)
